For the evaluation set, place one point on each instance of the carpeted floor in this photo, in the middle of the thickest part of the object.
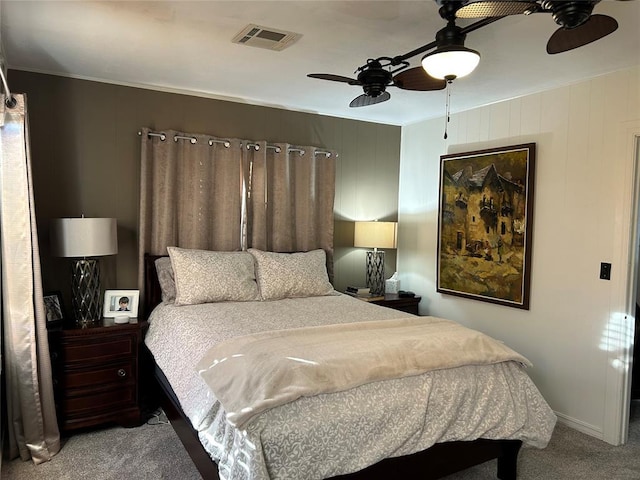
(154, 452)
(150, 452)
(571, 455)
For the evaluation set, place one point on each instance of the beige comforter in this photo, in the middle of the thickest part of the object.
(253, 373)
(329, 435)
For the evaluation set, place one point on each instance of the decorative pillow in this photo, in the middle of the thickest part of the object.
(166, 280)
(204, 276)
(285, 275)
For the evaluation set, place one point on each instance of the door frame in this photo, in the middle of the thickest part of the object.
(621, 333)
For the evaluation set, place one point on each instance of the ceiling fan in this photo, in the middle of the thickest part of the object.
(375, 76)
(378, 74)
(578, 27)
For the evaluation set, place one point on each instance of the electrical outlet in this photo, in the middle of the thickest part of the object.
(605, 271)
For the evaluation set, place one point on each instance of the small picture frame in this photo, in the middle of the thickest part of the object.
(120, 303)
(53, 307)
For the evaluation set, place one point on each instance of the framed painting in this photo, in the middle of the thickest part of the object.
(484, 224)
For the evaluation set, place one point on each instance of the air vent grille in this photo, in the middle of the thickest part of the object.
(266, 37)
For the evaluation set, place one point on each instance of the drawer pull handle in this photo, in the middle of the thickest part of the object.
(122, 373)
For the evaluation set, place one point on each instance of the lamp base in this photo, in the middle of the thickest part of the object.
(375, 272)
(85, 290)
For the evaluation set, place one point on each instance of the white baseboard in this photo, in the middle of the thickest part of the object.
(580, 426)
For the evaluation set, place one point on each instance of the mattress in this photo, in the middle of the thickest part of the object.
(333, 434)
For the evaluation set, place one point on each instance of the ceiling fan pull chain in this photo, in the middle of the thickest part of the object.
(448, 108)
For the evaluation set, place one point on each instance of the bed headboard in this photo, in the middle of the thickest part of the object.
(152, 293)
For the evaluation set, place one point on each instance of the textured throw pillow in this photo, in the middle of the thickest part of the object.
(288, 275)
(165, 278)
(204, 276)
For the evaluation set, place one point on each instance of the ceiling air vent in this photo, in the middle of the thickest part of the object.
(265, 37)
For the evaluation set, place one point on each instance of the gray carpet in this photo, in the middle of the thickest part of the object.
(150, 452)
(154, 452)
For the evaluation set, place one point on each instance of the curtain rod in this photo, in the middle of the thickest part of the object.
(227, 143)
(301, 151)
(10, 101)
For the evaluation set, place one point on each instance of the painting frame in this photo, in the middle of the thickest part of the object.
(54, 308)
(485, 223)
(112, 300)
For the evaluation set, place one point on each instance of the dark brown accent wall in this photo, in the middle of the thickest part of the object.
(85, 155)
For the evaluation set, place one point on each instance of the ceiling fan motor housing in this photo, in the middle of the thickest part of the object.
(450, 35)
(374, 80)
(569, 14)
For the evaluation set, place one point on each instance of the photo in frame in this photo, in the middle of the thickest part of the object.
(121, 302)
(485, 224)
(53, 307)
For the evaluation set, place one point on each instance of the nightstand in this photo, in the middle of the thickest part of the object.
(95, 372)
(404, 304)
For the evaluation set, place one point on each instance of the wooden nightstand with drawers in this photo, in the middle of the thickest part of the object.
(95, 372)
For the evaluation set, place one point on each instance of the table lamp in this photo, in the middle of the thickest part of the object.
(375, 235)
(81, 239)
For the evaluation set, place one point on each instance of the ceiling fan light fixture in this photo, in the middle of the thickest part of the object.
(450, 62)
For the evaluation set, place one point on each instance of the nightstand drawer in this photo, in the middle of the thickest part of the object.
(100, 351)
(99, 402)
(121, 372)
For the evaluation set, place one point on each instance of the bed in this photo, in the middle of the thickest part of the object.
(380, 429)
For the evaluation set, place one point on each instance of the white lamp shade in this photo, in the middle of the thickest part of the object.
(454, 62)
(375, 235)
(83, 237)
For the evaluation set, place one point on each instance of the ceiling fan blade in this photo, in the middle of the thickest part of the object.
(365, 100)
(417, 79)
(597, 27)
(334, 78)
(496, 9)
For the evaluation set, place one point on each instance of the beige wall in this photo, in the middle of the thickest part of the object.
(85, 152)
(577, 330)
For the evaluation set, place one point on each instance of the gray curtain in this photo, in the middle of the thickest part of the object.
(32, 425)
(291, 200)
(190, 194)
(199, 191)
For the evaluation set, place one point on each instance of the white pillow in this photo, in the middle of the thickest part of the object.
(290, 275)
(166, 280)
(203, 276)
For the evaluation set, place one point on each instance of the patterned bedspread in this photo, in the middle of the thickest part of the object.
(333, 434)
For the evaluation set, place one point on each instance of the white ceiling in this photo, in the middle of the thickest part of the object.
(185, 46)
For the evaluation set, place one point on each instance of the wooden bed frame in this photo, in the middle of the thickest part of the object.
(436, 462)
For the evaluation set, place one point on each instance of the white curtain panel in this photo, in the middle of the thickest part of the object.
(32, 425)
